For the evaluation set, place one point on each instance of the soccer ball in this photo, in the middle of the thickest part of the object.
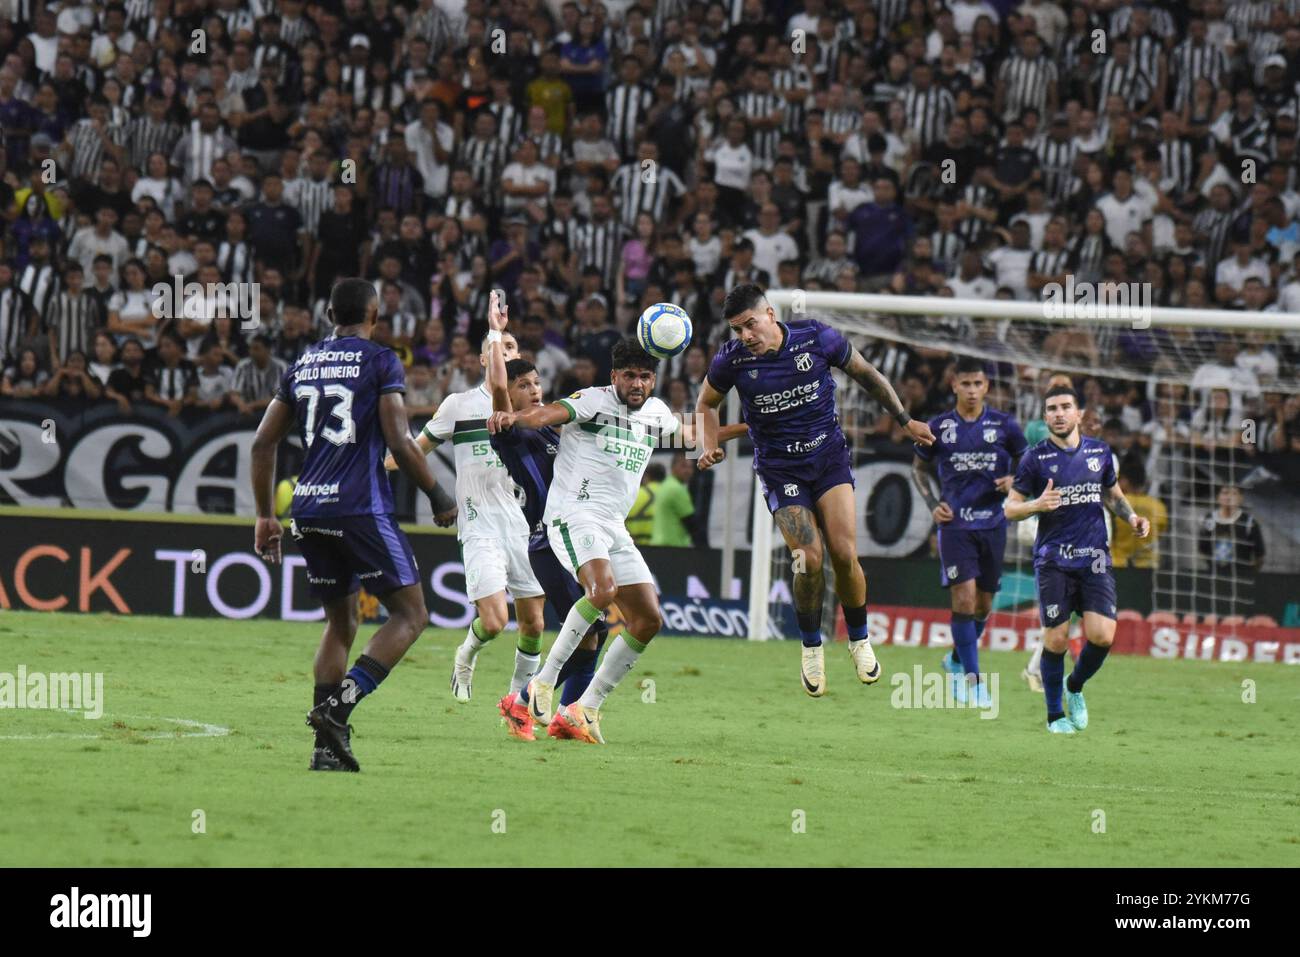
(664, 330)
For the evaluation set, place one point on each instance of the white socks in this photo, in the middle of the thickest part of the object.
(619, 659)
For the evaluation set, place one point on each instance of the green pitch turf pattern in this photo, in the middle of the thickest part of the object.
(714, 772)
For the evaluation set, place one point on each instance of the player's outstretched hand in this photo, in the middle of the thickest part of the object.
(710, 458)
(498, 311)
(920, 432)
(500, 421)
(1004, 483)
(942, 513)
(1050, 500)
(266, 539)
(1142, 526)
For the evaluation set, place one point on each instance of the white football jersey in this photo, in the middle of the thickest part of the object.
(604, 450)
(487, 499)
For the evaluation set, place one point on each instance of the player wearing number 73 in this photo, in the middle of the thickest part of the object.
(345, 396)
(1066, 480)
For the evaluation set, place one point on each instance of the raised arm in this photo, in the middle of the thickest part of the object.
(410, 459)
(868, 376)
(275, 425)
(1017, 508)
(496, 357)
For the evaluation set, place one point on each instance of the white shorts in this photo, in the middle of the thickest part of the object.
(575, 545)
(493, 565)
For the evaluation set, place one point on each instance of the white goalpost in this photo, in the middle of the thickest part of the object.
(1155, 353)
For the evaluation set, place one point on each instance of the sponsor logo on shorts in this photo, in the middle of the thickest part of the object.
(808, 446)
(975, 514)
(753, 373)
(1053, 611)
(803, 362)
(791, 490)
(315, 490)
(1070, 551)
(322, 581)
(374, 574)
(336, 532)
(587, 541)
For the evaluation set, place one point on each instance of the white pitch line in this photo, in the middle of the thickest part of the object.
(205, 730)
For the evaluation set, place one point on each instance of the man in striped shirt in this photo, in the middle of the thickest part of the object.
(256, 377)
(92, 139)
(647, 186)
(72, 317)
(1027, 79)
(196, 151)
(626, 106)
(928, 108)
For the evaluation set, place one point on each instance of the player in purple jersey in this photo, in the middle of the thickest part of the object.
(345, 396)
(1066, 480)
(783, 374)
(975, 458)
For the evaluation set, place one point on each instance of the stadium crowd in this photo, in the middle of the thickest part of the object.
(593, 158)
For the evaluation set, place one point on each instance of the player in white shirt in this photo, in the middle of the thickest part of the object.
(492, 531)
(605, 444)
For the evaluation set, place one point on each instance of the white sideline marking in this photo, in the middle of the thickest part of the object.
(204, 730)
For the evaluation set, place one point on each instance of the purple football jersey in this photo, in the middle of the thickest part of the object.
(787, 396)
(970, 455)
(335, 387)
(1074, 535)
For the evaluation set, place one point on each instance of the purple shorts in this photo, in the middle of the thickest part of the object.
(346, 553)
(803, 483)
(966, 553)
(1065, 590)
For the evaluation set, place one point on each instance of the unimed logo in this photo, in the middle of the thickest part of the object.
(73, 910)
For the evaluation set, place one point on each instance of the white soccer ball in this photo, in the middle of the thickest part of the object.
(664, 330)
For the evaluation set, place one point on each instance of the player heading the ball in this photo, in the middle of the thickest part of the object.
(782, 371)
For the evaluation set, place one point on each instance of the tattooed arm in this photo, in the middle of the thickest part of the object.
(868, 376)
(1119, 506)
(921, 473)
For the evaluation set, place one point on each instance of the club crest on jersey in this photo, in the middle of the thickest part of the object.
(803, 362)
(753, 373)
(990, 435)
(1094, 465)
(791, 490)
(1053, 468)
(1053, 611)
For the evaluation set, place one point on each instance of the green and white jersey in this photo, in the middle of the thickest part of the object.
(604, 450)
(487, 500)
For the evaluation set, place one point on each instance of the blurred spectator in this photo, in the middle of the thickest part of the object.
(256, 377)
(674, 520)
(641, 519)
(1231, 540)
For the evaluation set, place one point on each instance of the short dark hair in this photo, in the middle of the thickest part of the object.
(517, 367)
(742, 298)
(1056, 390)
(654, 472)
(628, 354)
(969, 364)
(350, 299)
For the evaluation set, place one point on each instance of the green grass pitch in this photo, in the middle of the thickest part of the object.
(714, 772)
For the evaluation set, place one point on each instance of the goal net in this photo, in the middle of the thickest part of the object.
(1199, 406)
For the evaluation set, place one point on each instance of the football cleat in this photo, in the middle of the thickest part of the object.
(514, 713)
(1034, 680)
(952, 665)
(959, 687)
(1075, 710)
(462, 675)
(813, 671)
(322, 759)
(336, 736)
(1061, 726)
(576, 723)
(979, 696)
(864, 659)
(539, 701)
